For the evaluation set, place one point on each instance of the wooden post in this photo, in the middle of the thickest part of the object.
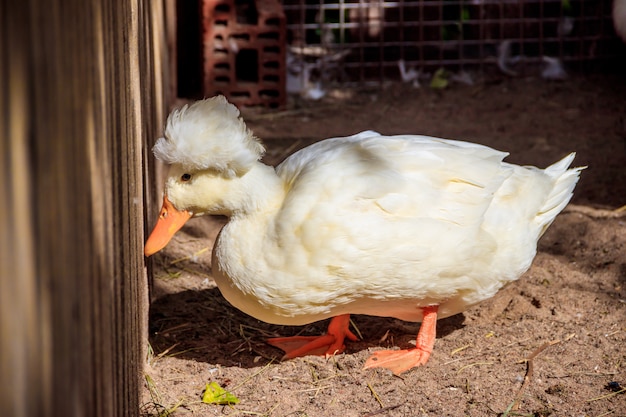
(81, 100)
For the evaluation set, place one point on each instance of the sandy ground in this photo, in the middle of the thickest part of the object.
(551, 344)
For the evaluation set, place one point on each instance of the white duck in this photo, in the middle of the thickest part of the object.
(412, 227)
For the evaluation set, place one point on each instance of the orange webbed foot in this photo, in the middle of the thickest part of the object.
(399, 361)
(328, 344)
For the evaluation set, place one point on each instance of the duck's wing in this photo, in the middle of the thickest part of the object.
(393, 177)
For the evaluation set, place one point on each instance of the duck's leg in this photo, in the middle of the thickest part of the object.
(328, 344)
(399, 361)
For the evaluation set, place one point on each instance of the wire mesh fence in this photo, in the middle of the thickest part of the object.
(370, 41)
(240, 49)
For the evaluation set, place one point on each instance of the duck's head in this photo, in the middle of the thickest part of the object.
(207, 146)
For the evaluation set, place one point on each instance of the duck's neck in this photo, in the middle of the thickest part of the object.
(260, 191)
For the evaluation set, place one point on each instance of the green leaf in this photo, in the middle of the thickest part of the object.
(465, 14)
(440, 79)
(567, 6)
(214, 394)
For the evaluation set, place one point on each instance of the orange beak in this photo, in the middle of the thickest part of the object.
(170, 221)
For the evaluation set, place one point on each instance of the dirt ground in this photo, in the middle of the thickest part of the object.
(551, 344)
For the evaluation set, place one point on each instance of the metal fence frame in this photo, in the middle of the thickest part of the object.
(364, 40)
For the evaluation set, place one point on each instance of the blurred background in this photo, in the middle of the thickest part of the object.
(311, 46)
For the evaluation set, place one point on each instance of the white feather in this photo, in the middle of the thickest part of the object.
(209, 134)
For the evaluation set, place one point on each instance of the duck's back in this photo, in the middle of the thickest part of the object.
(395, 176)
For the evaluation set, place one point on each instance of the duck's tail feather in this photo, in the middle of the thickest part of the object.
(564, 182)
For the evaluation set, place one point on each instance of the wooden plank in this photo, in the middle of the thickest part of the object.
(24, 366)
(81, 97)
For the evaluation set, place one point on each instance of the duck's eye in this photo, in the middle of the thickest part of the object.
(185, 177)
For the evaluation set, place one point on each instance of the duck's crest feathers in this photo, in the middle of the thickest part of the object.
(209, 134)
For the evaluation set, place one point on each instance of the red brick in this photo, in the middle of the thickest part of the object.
(244, 51)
